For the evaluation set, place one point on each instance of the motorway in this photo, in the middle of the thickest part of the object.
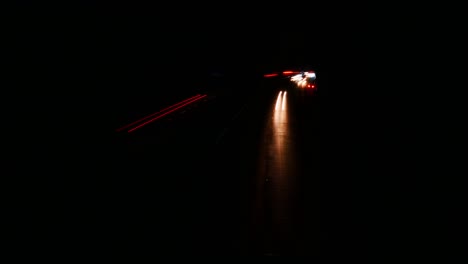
(232, 168)
(227, 165)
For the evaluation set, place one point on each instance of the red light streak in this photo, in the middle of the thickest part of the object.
(270, 75)
(160, 111)
(168, 112)
(290, 72)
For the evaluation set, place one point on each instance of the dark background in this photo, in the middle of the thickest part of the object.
(78, 63)
(74, 65)
(96, 53)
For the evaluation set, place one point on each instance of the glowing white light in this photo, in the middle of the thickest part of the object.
(283, 107)
(296, 77)
(278, 101)
(310, 75)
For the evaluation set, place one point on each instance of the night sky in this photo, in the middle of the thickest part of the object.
(231, 36)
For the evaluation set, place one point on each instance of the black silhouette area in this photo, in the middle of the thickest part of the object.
(225, 175)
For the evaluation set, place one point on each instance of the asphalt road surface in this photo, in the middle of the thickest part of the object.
(233, 168)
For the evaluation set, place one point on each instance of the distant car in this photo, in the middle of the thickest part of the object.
(305, 80)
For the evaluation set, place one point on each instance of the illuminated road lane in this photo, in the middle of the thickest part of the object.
(273, 214)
